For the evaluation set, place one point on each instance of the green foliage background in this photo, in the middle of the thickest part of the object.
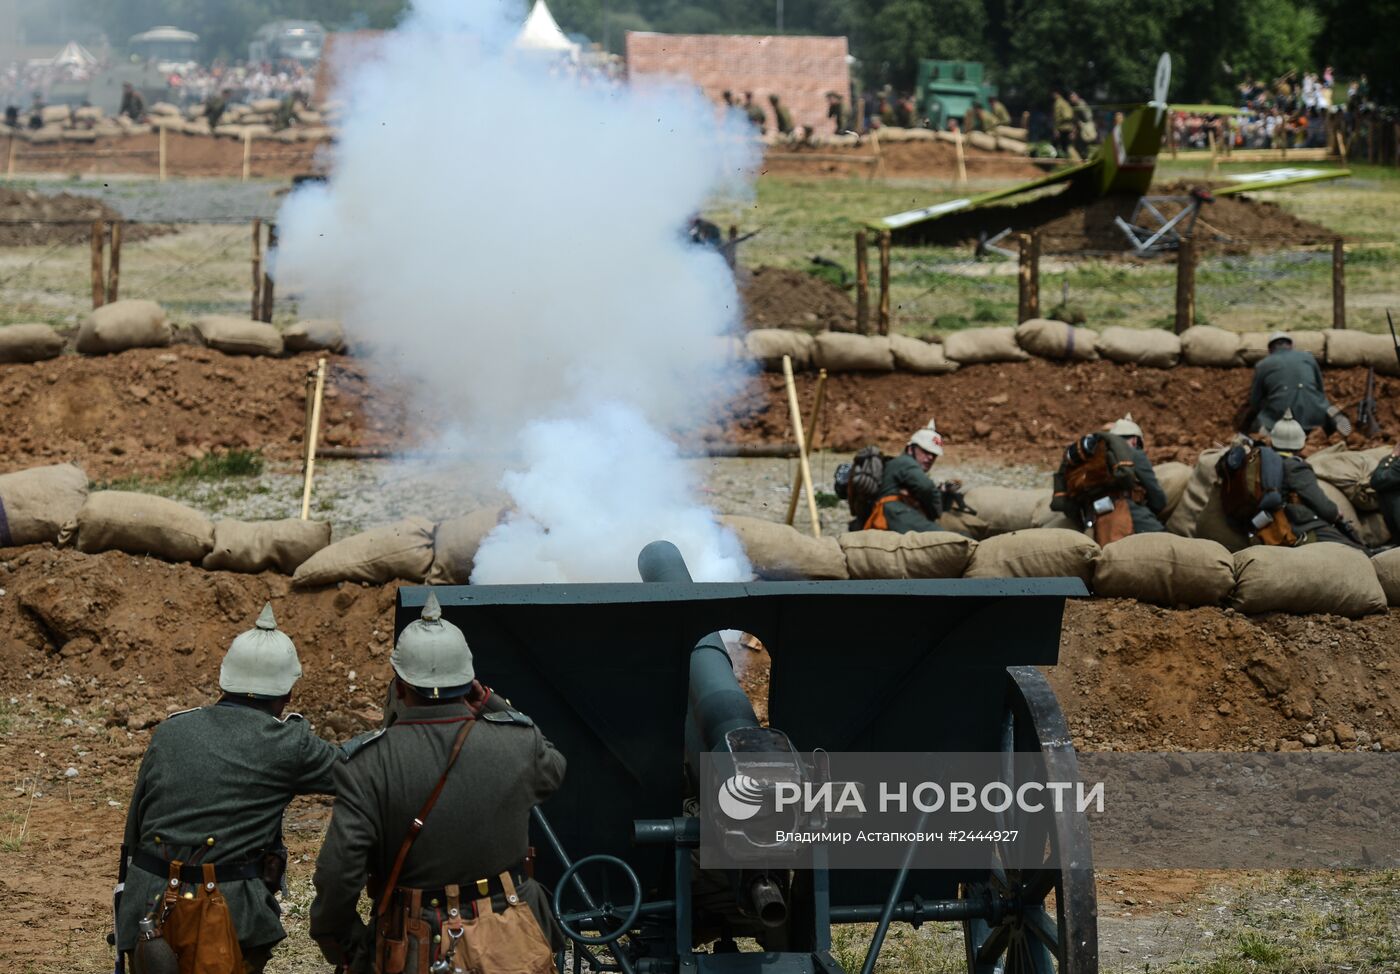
(1105, 49)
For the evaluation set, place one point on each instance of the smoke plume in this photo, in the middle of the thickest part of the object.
(510, 239)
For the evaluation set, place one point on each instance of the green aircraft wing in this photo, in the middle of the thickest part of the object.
(910, 217)
(1277, 178)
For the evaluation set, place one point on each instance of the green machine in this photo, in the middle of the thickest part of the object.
(947, 89)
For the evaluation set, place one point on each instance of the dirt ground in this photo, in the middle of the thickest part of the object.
(89, 663)
(30, 219)
(906, 160)
(1068, 224)
(185, 156)
(776, 297)
(174, 403)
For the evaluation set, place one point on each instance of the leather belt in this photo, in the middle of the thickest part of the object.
(224, 872)
(476, 890)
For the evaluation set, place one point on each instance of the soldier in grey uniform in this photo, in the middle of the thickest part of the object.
(477, 830)
(1290, 379)
(213, 786)
(1146, 512)
(909, 500)
(1313, 516)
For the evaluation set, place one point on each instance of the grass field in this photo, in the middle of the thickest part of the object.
(803, 218)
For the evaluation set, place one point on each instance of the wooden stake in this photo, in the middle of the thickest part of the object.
(812, 424)
(1028, 304)
(311, 441)
(257, 269)
(1339, 285)
(114, 262)
(1341, 145)
(1214, 152)
(1185, 285)
(862, 284)
(884, 243)
(267, 297)
(99, 292)
(310, 394)
(806, 467)
(161, 128)
(962, 163)
(10, 166)
(247, 155)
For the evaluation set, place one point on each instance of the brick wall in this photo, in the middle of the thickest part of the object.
(342, 51)
(800, 70)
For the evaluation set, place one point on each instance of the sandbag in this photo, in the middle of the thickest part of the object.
(842, 352)
(1150, 347)
(1006, 509)
(924, 358)
(239, 336)
(1048, 338)
(1349, 471)
(1211, 347)
(965, 523)
(781, 553)
(1314, 578)
(143, 524)
(259, 546)
(914, 554)
(52, 114)
(982, 140)
(35, 504)
(455, 543)
(769, 345)
(315, 335)
(121, 325)
(1335, 495)
(1357, 349)
(29, 343)
(1387, 566)
(1173, 477)
(401, 550)
(977, 345)
(1036, 553)
(1196, 495)
(1046, 518)
(1165, 570)
(265, 104)
(1254, 345)
(1373, 529)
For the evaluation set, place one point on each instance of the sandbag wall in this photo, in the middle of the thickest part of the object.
(1202, 345)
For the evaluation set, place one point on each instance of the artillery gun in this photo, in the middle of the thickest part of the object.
(634, 685)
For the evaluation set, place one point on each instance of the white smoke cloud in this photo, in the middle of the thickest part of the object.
(511, 242)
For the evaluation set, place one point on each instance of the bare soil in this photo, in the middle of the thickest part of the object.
(185, 155)
(907, 160)
(30, 219)
(1068, 223)
(776, 297)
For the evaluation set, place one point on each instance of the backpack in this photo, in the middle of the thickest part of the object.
(859, 481)
(1095, 464)
(1251, 493)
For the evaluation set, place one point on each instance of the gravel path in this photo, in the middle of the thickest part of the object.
(177, 200)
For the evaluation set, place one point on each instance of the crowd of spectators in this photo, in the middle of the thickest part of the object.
(245, 82)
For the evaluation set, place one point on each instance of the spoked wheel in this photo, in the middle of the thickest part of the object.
(612, 921)
(1027, 934)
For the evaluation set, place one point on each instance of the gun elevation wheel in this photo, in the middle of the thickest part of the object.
(599, 914)
(1024, 934)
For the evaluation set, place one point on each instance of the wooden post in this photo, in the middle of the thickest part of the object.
(10, 166)
(1028, 278)
(247, 155)
(962, 163)
(812, 420)
(310, 393)
(99, 292)
(862, 284)
(731, 253)
(257, 269)
(1341, 145)
(267, 278)
(805, 465)
(1185, 285)
(161, 128)
(884, 241)
(1214, 153)
(114, 263)
(1339, 284)
(311, 442)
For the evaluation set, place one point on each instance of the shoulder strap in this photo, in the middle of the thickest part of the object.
(416, 826)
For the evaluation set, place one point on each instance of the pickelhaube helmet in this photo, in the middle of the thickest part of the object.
(928, 439)
(1278, 336)
(1126, 427)
(432, 656)
(1287, 433)
(262, 661)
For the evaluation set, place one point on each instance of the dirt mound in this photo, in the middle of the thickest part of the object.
(76, 629)
(1029, 410)
(897, 159)
(776, 297)
(30, 219)
(146, 411)
(185, 155)
(1070, 224)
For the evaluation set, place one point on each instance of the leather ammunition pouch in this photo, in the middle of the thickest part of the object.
(197, 924)
(495, 933)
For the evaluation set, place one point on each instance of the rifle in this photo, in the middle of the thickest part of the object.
(120, 966)
(1391, 322)
(954, 498)
(1366, 408)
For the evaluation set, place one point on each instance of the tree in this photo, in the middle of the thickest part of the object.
(892, 36)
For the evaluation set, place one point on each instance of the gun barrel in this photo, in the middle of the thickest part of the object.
(661, 561)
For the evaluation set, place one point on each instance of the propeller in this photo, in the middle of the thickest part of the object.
(1161, 84)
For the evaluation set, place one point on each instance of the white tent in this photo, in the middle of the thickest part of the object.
(73, 55)
(541, 33)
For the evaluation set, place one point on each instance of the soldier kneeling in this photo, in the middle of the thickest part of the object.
(1105, 482)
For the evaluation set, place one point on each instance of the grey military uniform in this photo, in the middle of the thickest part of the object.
(1289, 379)
(903, 474)
(478, 828)
(226, 772)
(1385, 481)
(1145, 519)
(1308, 508)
